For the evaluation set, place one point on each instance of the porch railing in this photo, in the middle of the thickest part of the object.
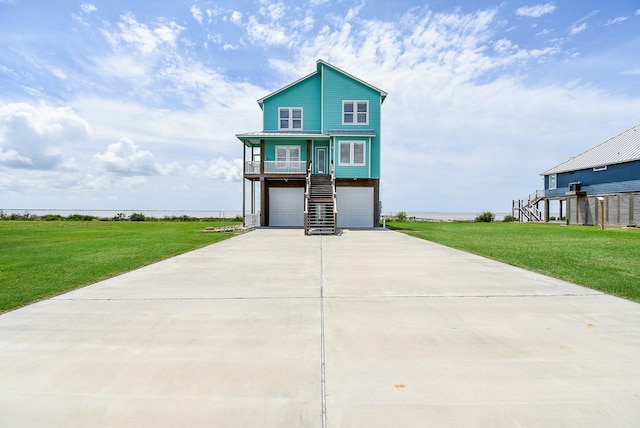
(276, 167)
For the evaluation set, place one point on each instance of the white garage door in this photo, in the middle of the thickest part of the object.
(355, 206)
(286, 206)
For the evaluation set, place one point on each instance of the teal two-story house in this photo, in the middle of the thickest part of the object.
(316, 162)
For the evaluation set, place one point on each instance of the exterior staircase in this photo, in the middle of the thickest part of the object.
(320, 212)
(528, 210)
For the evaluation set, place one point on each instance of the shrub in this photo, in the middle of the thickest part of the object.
(485, 217)
(51, 217)
(401, 216)
(81, 217)
(509, 219)
(137, 217)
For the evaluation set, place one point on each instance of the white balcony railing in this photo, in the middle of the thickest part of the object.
(276, 167)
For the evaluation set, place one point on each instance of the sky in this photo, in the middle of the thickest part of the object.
(132, 105)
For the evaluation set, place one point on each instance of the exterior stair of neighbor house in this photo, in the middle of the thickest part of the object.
(321, 218)
(528, 210)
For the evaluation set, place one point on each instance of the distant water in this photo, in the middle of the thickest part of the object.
(444, 216)
(433, 216)
(147, 213)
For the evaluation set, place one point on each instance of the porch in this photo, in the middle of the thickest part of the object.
(257, 167)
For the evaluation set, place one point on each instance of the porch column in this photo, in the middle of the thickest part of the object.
(262, 158)
(244, 186)
(253, 184)
(547, 203)
(309, 154)
(263, 202)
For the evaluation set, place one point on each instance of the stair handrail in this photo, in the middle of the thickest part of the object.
(306, 198)
(335, 194)
(536, 196)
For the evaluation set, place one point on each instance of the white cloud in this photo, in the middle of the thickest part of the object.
(536, 11)
(125, 158)
(88, 8)
(145, 39)
(196, 13)
(578, 28)
(273, 10)
(38, 136)
(617, 20)
(217, 169)
(267, 33)
(236, 17)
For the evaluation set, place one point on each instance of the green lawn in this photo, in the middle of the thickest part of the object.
(606, 260)
(40, 259)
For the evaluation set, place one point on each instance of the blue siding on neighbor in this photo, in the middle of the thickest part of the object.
(624, 177)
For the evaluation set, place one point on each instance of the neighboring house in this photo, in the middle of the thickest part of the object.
(317, 158)
(610, 171)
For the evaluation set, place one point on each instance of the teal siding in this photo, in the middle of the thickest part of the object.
(338, 87)
(305, 94)
(343, 171)
(270, 148)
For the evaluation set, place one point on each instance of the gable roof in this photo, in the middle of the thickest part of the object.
(619, 149)
(320, 63)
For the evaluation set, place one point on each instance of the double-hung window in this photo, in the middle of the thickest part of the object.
(355, 112)
(553, 181)
(352, 153)
(289, 118)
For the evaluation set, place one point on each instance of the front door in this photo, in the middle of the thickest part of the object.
(321, 160)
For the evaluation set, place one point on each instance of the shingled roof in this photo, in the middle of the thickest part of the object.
(619, 149)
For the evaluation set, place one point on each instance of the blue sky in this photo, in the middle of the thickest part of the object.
(124, 105)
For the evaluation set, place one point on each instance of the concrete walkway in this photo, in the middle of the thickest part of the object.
(367, 329)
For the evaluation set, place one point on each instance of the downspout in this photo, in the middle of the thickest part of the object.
(370, 149)
(322, 99)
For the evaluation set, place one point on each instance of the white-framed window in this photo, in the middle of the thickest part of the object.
(355, 112)
(553, 181)
(287, 156)
(600, 168)
(352, 153)
(289, 118)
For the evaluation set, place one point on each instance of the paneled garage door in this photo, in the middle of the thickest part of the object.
(355, 206)
(286, 206)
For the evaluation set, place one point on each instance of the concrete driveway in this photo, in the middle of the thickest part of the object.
(367, 329)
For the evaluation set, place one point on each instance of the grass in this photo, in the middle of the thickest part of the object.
(41, 259)
(605, 260)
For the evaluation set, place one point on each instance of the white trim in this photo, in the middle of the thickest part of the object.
(382, 93)
(599, 168)
(288, 161)
(355, 112)
(290, 119)
(325, 163)
(352, 153)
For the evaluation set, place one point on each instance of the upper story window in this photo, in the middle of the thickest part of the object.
(289, 118)
(352, 153)
(355, 112)
(553, 181)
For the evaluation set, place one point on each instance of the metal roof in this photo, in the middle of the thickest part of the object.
(253, 138)
(619, 149)
(352, 132)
